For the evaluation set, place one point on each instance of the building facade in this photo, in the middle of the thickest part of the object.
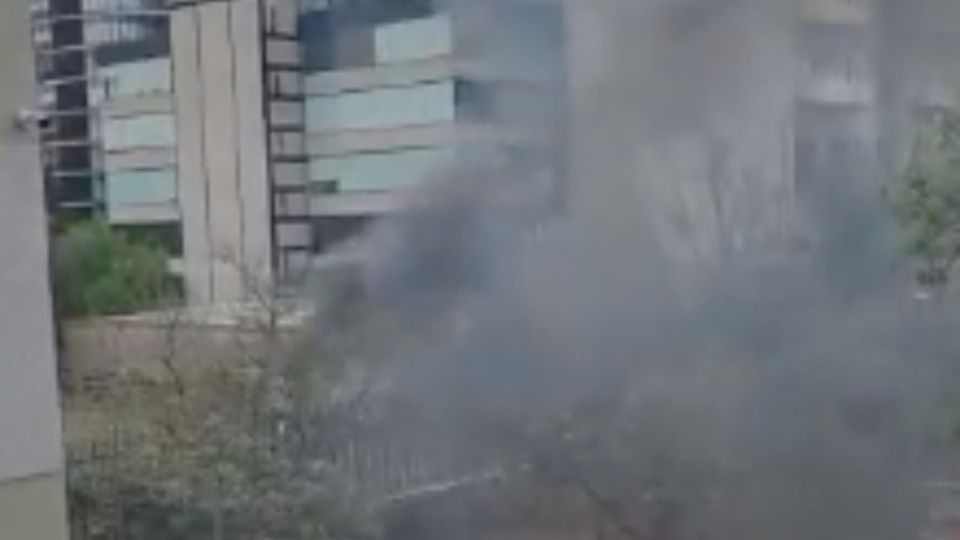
(254, 135)
(251, 136)
(76, 44)
(752, 127)
(31, 457)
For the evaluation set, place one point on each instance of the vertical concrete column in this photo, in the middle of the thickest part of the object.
(31, 456)
(219, 113)
(252, 129)
(191, 167)
(222, 149)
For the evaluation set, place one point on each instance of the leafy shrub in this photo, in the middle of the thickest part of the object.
(99, 271)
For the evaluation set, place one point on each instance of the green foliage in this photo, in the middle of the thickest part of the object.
(201, 460)
(927, 201)
(204, 451)
(99, 271)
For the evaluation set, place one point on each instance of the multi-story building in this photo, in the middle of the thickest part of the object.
(254, 135)
(31, 469)
(917, 70)
(870, 71)
(753, 124)
(837, 92)
(298, 124)
(76, 41)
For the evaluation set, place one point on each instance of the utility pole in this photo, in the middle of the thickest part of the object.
(32, 501)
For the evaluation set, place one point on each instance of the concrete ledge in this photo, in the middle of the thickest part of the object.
(33, 508)
(141, 158)
(413, 136)
(837, 12)
(132, 106)
(352, 204)
(836, 91)
(346, 142)
(132, 214)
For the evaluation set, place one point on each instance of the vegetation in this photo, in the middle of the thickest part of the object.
(100, 271)
(197, 444)
(305, 440)
(193, 457)
(927, 201)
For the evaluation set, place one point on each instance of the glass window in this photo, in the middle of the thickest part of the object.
(381, 171)
(328, 232)
(149, 130)
(353, 47)
(368, 12)
(141, 187)
(413, 40)
(137, 78)
(382, 108)
(316, 35)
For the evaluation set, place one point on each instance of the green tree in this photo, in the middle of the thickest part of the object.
(927, 200)
(100, 271)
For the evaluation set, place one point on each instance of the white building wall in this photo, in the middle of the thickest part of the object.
(31, 457)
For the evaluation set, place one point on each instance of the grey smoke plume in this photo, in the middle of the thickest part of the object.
(687, 339)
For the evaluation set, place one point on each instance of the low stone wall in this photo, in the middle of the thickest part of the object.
(104, 358)
(152, 344)
(33, 508)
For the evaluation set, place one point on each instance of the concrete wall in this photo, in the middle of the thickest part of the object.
(33, 508)
(222, 168)
(98, 348)
(31, 486)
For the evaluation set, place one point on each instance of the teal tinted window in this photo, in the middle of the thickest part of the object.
(382, 108)
(144, 78)
(382, 171)
(150, 130)
(141, 187)
(415, 39)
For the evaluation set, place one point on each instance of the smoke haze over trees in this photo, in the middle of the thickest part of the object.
(684, 342)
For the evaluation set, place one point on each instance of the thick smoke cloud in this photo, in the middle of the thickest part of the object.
(683, 327)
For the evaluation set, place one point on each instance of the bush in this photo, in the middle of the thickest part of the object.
(927, 200)
(99, 271)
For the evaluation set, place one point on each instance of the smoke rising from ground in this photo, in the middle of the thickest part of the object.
(700, 351)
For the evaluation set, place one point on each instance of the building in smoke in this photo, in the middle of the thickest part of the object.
(869, 71)
(837, 92)
(253, 135)
(743, 115)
